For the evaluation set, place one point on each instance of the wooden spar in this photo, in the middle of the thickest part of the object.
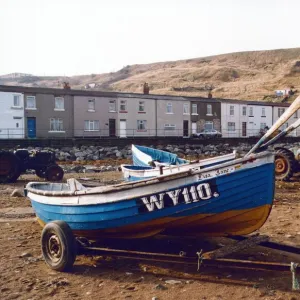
(285, 116)
(283, 133)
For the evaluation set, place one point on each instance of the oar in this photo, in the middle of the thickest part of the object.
(283, 133)
(285, 116)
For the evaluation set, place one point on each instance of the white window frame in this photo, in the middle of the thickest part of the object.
(251, 111)
(186, 109)
(209, 110)
(57, 126)
(123, 103)
(169, 108)
(18, 104)
(34, 101)
(194, 107)
(231, 110)
(244, 110)
(210, 123)
(231, 126)
(56, 101)
(142, 106)
(296, 114)
(91, 105)
(141, 125)
(91, 125)
(263, 111)
(170, 127)
(281, 111)
(112, 106)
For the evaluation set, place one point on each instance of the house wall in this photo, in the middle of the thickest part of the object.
(45, 110)
(202, 116)
(255, 120)
(11, 117)
(132, 115)
(101, 114)
(175, 118)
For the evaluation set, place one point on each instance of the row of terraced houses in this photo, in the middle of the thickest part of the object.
(30, 112)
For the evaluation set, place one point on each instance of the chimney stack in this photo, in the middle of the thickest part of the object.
(146, 88)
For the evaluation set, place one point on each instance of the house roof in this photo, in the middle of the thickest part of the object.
(89, 93)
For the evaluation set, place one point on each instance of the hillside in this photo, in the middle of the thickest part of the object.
(245, 75)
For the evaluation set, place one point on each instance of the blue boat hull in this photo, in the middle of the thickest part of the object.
(238, 203)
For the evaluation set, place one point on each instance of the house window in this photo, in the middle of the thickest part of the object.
(263, 125)
(280, 111)
(17, 100)
(296, 114)
(30, 102)
(56, 124)
(91, 104)
(263, 111)
(194, 109)
(91, 125)
(141, 106)
(186, 108)
(244, 112)
(209, 109)
(169, 108)
(123, 105)
(141, 124)
(17, 125)
(250, 111)
(170, 126)
(231, 126)
(59, 103)
(112, 106)
(209, 125)
(231, 110)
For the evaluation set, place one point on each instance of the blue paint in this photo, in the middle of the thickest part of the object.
(31, 127)
(243, 189)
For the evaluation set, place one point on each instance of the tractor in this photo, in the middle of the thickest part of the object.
(14, 163)
(286, 162)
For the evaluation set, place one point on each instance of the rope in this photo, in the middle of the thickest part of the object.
(200, 259)
(295, 282)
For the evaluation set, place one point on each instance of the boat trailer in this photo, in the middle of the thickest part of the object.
(213, 258)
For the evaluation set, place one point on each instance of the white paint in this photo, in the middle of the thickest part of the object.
(11, 117)
(122, 128)
(255, 120)
(194, 127)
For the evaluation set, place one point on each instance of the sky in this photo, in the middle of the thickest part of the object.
(77, 37)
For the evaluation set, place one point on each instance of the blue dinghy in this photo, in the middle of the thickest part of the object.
(230, 198)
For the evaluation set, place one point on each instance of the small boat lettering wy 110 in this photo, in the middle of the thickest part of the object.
(186, 195)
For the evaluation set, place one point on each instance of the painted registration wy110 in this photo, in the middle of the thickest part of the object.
(184, 195)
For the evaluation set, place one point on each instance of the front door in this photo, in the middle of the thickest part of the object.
(31, 128)
(244, 128)
(122, 128)
(194, 128)
(112, 127)
(185, 128)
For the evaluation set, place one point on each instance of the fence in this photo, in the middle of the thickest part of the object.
(19, 133)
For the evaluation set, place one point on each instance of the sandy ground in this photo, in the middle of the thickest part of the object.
(24, 275)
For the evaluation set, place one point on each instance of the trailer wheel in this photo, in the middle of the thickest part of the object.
(285, 164)
(54, 173)
(58, 246)
(9, 167)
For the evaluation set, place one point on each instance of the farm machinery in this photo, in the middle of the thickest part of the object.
(14, 163)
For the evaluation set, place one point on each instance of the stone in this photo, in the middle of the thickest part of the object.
(25, 254)
(160, 287)
(173, 282)
(17, 193)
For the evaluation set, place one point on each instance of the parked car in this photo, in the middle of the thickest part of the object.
(208, 133)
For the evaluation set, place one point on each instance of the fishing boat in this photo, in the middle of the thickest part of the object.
(230, 198)
(138, 172)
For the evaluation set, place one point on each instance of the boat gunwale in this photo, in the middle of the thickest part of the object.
(143, 182)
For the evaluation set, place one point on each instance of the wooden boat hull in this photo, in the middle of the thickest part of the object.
(237, 202)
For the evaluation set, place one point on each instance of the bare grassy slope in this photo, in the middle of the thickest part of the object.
(245, 75)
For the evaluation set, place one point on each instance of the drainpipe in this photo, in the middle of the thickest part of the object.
(156, 117)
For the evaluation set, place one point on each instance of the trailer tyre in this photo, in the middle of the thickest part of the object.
(58, 246)
(285, 164)
(9, 167)
(54, 173)
(40, 173)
